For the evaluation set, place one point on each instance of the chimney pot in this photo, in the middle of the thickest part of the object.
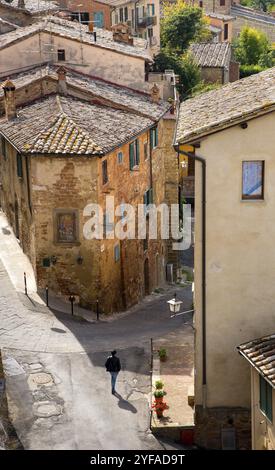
(9, 98)
(62, 84)
(155, 93)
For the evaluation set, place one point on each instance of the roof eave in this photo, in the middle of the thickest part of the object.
(225, 125)
(255, 367)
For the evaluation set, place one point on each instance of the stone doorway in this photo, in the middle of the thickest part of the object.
(146, 277)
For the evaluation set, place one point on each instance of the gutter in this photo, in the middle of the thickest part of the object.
(203, 267)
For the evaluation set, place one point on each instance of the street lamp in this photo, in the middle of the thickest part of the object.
(174, 306)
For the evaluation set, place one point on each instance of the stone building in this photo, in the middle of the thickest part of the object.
(55, 40)
(26, 12)
(260, 355)
(69, 141)
(142, 18)
(231, 134)
(216, 62)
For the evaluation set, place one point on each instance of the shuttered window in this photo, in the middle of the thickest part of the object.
(19, 166)
(154, 137)
(266, 398)
(134, 154)
(104, 172)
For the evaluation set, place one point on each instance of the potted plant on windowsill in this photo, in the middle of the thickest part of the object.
(159, 394)
(159, 408)
(162, 354)
(159, 384)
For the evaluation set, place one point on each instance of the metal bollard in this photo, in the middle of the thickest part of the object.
(72, 300)
(25, 283)
(97, 310)
(47, 296)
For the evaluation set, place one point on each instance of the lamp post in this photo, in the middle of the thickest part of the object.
(175, 305)
(72, 300)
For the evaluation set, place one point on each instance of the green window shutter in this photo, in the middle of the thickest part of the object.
(151, 138)
(156, 137)
(19, 166)
(137, 152)
(132, 155)
(262, 394)
(269, 412)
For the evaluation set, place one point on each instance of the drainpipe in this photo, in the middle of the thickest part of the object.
(203, 267)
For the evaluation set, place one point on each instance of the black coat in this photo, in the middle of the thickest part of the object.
(113, 364)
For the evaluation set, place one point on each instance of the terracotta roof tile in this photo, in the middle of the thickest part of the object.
(65, 125)
(76, 31)
(32, 6)
(261, 355)
(212, 54)
(224, 106)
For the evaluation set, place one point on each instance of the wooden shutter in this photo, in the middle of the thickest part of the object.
(156, 137)
(152, 138)
(132, 155)
(19, 166)
(137, 152)
(150, 196)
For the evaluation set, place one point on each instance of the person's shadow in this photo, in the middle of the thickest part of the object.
(124, 404)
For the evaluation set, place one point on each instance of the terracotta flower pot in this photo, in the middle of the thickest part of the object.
(159, 414)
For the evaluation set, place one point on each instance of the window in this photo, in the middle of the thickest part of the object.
(145, 150)
(134, 154)
(104, 172)
(4, 147)
(225, 32)
(61, 55)
(125, 14)
(66, 226)
(200, 4)
(148, 197)
(121, 15)
(108, 226)
(119, 157)
(81, 16)
(222, 3)
(19, 165)
(117, 253)
(253, 180)
(266, 398)
(154, 137)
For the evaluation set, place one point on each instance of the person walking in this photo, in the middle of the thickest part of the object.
(113, 366)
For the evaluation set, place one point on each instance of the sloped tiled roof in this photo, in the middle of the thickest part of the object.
(120, 96)
(32, 6)
(211, 54)
(65, 125)
(223, 107)
(261, 355)
(77, 32)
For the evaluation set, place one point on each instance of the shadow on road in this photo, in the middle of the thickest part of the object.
(124, 404)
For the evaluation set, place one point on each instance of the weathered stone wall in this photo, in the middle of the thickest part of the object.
(65, 183)
(209, 423)
(214, 75)
(15, 198)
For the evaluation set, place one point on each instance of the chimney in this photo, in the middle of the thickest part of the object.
(155, 93)
(21, 3)
(9, 98)
(62, 84)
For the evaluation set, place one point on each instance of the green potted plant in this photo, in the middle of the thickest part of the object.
(159, 394)
(159, 408)
(159, 384)
(162, 354)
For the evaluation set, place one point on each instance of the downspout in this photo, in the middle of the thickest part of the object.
(203, 278)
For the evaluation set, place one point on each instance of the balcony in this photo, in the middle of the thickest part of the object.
(146, 21)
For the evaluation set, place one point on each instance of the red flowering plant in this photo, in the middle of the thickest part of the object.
(159, 407)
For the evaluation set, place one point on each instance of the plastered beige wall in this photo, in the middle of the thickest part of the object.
(240, 258)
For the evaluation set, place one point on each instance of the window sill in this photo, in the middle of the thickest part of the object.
(252, 200)
(135, 168)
